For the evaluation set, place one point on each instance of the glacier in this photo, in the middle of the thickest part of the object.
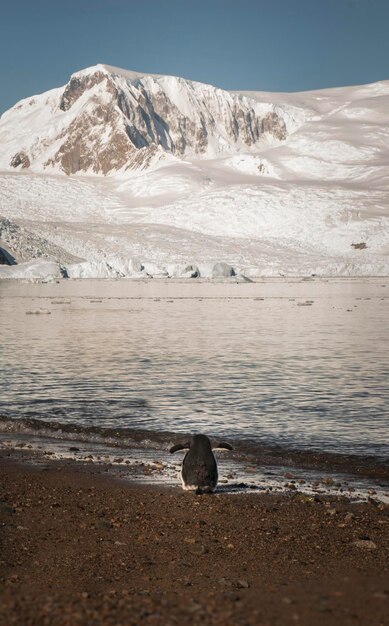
(122, 174)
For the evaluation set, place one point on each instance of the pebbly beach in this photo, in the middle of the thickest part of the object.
(80, 546)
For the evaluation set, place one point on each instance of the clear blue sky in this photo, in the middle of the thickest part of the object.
(270, 45)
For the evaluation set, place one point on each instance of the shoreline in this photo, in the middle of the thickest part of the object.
(269, 470)
(80, 547)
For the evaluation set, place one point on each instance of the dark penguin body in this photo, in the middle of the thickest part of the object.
(199, 467)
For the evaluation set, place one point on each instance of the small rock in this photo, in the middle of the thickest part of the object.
(302, 497)
(198, 549)
(331, 512)
(242, 584)
(365, 544)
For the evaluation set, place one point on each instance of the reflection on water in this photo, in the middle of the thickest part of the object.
(302, 364)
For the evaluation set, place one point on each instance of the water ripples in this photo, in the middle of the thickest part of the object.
(311, 377)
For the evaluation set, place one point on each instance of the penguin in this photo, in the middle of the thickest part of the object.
(199, 467)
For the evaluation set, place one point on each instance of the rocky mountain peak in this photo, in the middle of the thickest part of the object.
(106, 119)
(77, 86)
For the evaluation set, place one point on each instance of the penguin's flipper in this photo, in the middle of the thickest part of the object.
(222, 446)
(179, 446)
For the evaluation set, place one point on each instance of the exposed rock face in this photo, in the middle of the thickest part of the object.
(20, 159)
(6, 258)
(105, 120)
(77, 86)
(83, 148)
(275, 125)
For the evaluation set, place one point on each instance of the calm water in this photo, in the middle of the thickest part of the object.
(247, 361)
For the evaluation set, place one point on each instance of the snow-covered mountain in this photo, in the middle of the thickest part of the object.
(119, 173)
(107, 120)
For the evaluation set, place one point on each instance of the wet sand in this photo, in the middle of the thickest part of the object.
(80, 547)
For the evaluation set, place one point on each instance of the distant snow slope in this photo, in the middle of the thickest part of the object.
(139, 174)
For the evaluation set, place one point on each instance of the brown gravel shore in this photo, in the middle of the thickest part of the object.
(80, 548)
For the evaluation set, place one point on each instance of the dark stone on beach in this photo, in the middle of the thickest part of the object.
(74, 449)
(365, 544)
